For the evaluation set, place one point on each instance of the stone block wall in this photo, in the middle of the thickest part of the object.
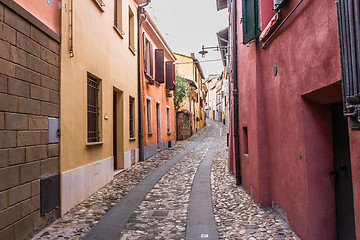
(183, 126)
(29, 95)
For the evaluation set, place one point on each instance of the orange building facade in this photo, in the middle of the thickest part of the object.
(157, 73)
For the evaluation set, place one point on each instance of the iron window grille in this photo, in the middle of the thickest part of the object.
(131, 118)
(168, 120)
(148, 111)
(93, 109)
(349, 41)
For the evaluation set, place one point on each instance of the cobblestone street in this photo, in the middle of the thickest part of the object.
(163, 213)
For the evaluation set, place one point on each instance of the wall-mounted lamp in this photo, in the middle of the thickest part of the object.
(203, 51)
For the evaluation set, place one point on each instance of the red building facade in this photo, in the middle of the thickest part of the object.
(298, 153)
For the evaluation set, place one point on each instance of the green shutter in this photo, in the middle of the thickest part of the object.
(250, 20)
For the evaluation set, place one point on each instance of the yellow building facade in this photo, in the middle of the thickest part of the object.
(98, 123)
(189, 68)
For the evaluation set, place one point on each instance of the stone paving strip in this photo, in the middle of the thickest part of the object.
(78, 221)
(237, 216)
(200, 220)
(111, 225)
(163, 213)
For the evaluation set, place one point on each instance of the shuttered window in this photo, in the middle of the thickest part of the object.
(148, 57)
(118, 17)
(131, 117)
(159, 65)
(131, 31)
(93, 109)
(249, 20)
(170, 75)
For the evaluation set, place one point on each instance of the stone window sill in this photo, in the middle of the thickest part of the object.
(94, 143)
(100, 4)
(132, 139)
(119, 32)
(132, 50)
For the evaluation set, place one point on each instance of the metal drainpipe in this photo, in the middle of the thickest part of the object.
(236, 95)
(141, 136)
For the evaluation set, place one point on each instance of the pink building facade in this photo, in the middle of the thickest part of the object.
(298, 152)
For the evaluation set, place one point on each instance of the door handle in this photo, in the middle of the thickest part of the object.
(342, 167)
(334, 174)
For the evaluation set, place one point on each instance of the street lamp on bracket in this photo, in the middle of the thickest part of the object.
(203, 51)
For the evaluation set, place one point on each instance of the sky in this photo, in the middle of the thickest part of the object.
(186, 25)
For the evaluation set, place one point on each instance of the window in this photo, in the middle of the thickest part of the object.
(168, 120)
(170, 75)
(246, 143)
(148, 115)
(148, 57)
(249, 20)
(131, 31)
(118, 17)
(93, 109)
(131, 117)
(159, 65)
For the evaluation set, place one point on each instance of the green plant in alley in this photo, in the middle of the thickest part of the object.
(182, 92)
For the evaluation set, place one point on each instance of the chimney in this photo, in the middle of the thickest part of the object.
(192, 55)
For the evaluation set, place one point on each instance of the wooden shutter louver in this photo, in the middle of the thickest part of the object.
(151, 60)
(250, 20)
(159, 65)
(169, 75)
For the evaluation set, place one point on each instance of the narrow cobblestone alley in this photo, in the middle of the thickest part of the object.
(163, 213)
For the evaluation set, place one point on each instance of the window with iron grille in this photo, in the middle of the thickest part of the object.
(131, 117)
(118, 17)
(168, 120)
(148, 112)
(93, 109)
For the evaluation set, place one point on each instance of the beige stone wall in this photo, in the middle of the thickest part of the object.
(29, 94)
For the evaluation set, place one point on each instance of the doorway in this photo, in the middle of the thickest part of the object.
(115, 135)
(158, 125)
(345, 223)
(118, 131)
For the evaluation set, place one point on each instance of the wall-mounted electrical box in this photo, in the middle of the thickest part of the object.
(54, 131)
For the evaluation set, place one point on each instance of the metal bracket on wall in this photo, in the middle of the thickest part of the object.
(72, 29)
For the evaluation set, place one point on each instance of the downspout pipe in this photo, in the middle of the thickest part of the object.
(236, 94)
(140, 110)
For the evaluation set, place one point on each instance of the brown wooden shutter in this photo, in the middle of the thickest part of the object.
(159, 65)
(174, 77)
(144, 52)
(151, 60)
(169, 75)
